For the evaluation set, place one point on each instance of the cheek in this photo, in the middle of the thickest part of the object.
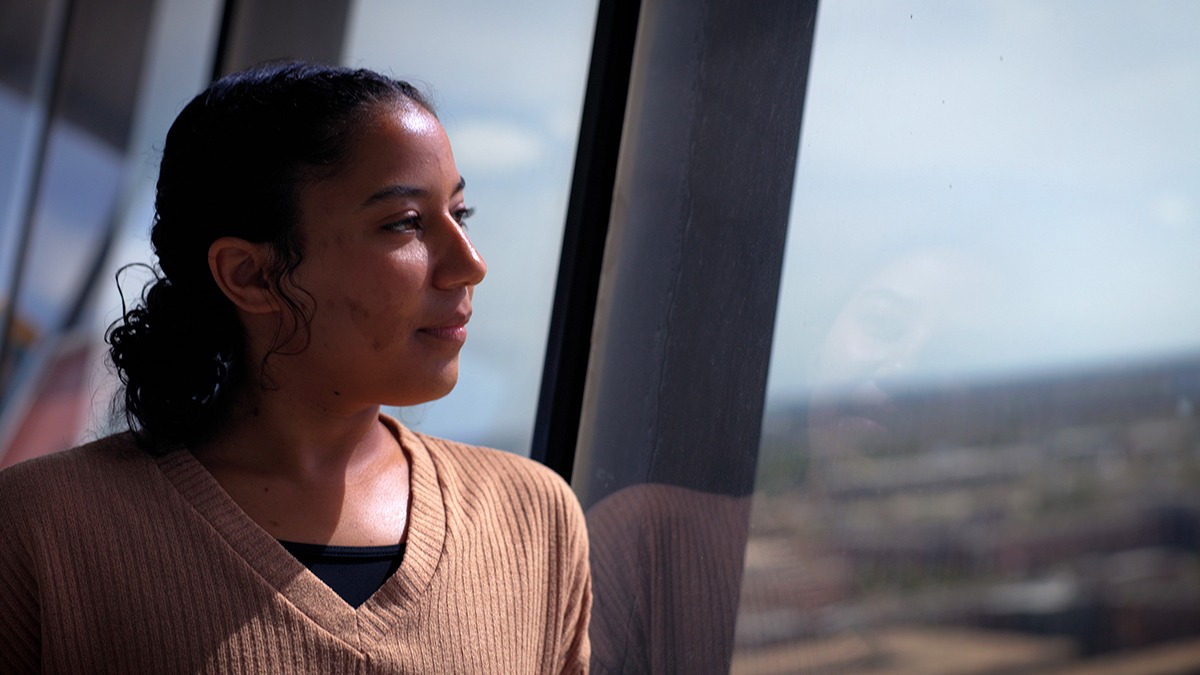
(385, 310)
(374, 316)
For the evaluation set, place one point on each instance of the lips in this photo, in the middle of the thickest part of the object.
(448, 333)
(450, 329)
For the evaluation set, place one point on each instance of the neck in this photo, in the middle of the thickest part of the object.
(310, 473)
(270, 433)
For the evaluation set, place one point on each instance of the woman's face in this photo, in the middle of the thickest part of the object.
(388, 266)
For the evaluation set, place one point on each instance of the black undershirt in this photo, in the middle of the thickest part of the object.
(353, 572)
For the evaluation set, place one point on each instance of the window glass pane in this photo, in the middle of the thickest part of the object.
(87, 129)
(981, 450)
(17, 117)
(508, 82)
(179, 58)
(125, 79)
(27, 32)
(78, 195)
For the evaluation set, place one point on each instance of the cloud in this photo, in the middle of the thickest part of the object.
(1176, 211)
(491, 146)
(528, 56)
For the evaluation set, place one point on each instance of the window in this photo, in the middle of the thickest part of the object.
(980, 448)
(107, 83)
(508, 81)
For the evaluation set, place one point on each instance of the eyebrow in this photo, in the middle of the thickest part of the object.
(402, 191)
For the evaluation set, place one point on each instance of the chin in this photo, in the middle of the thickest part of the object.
(430, 390)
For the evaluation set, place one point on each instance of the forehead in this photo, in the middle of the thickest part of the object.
(410, 115)
(393, 127)
(396, 143)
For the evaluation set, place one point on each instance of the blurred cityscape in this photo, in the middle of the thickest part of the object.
(1045, 525)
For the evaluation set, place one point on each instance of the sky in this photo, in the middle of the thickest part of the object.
(1052, 143)
(1049, 143)
(508, 80)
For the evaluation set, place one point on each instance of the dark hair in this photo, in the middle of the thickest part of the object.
(232, 165)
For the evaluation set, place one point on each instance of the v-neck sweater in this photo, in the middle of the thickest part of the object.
(116, 561)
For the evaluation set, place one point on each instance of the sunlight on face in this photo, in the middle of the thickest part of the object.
(388, 266)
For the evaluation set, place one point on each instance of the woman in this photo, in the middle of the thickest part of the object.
(262, 515)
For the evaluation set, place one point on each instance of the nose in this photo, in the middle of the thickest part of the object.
(458, 262)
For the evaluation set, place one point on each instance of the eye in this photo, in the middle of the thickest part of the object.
(460, 215)
(407, 224)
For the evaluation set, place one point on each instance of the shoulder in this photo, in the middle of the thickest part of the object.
(489, 464)
(477, 465)
(95, 473)
(483, 468)
(477, 479)
(57, 472)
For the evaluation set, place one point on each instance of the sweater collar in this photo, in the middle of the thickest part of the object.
(291, 580)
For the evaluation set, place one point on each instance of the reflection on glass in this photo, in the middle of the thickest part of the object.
(78, 194)
(981, 451)
(96, 179)
(24, 89)
(508, 81)
(16, 120)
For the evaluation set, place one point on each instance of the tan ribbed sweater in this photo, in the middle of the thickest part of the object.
(113, 561)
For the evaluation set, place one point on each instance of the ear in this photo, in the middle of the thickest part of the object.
(239, 268)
